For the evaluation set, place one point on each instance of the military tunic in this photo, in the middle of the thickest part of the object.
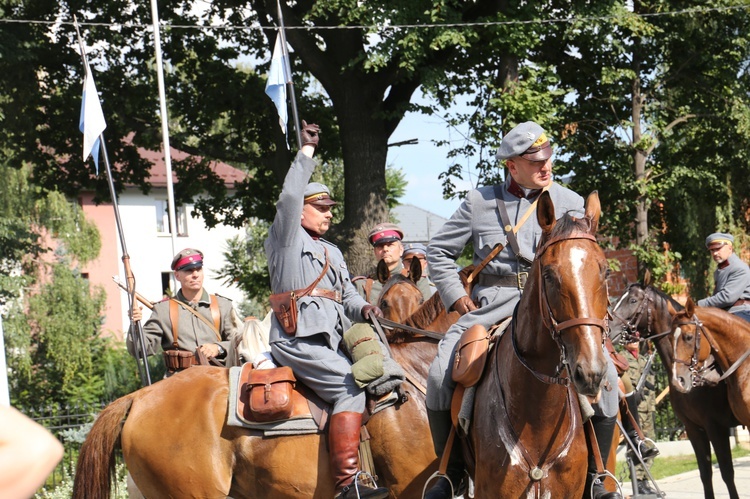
(478, 220)
(295, 260)
(191, 331)
(732, 284)
(360, 283)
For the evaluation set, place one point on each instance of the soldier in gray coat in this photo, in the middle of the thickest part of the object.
(480, 220)
(731, 278)
(297, 256)
(198, 319)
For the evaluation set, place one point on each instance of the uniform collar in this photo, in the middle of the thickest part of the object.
(521, 192)
(203, 299)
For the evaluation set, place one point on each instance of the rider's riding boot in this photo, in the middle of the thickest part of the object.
(343, 443)
(440, 427)
(604, 429)
(646, 450)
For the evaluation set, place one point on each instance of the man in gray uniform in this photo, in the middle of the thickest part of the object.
(297, 257)
(731, 278)
(385, 239)
(197, 319)
(485, 218)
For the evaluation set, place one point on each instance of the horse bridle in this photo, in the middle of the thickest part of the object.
(695, 360)
(630, 333)
(555, 327)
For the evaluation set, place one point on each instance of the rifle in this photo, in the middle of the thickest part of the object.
(646, 371)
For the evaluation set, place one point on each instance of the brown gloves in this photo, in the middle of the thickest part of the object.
(310, 134)
(371, 308)
(464, 305)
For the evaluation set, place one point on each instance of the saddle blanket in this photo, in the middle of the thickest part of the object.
(293, 426)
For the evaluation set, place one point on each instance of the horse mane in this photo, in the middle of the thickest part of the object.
(568, 224)
(664, 296)
(433, 306)
(393, 280)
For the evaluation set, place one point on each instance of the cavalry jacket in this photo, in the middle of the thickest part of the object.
(478, 220)
(296, 259)
(376, 287)
(732, 284)
(191, 331)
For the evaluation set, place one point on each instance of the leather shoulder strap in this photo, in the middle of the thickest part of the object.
(174, 314)
(511, 231)
(199, 316)
(307, 290)
(215, 314)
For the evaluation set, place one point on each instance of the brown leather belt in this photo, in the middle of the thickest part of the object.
(505, 281)
(327, 293)
(741, 302)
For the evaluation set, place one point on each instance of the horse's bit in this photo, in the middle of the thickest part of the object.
(630, 332)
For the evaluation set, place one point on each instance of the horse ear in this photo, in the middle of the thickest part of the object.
(690, 307)
(545, 212)
(415, 270)
(593, 210)
(383, 272)
(647, 278)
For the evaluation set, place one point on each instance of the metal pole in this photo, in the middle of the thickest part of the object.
(288, 76)
(164, 130)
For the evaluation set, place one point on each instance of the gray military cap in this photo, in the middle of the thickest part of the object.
(719, 239)
(526, 140)
(414, 249)
(317, 193)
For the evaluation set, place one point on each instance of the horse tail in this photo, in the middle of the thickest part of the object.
(95, 471)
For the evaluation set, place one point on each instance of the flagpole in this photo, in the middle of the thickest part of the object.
(135, 326)
(164, 131)
(288, 75)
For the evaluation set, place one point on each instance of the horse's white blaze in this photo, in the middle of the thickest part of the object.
(619, 302)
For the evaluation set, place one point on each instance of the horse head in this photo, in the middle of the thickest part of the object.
(691, 346)
(400, 296)
(571, 283)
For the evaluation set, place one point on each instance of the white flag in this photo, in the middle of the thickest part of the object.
(276, 83)
(91, 122)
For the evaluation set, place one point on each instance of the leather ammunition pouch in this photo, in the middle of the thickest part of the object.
(177, 360)
(270, 393)
(471, 355)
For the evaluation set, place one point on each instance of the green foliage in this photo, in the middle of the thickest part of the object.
(64, 490)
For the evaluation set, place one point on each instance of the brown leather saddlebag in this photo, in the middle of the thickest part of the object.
(284, 306)
(270, 393)
(175, 360)
(471, 355)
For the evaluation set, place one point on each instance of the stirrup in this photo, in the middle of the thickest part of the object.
(597, 478)
(363, 482)
(437, 475)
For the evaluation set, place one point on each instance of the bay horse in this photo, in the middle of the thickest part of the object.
(644, 313)
(700, 332)
(176, 443)
(526, 436)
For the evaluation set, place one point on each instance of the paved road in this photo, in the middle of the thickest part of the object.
(688, 485)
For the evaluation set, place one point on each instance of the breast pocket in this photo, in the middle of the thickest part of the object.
(486, 240)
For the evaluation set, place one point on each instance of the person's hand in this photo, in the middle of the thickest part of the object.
(464, 305)
(310, 134)
(371, 308)
(137, 314)
(210, 349)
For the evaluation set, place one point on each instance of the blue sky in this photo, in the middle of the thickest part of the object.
(424, 162)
